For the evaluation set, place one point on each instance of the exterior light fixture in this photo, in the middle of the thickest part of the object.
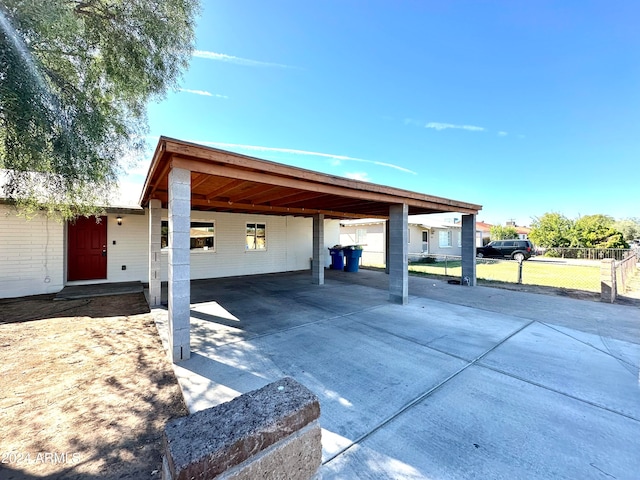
(119, 220)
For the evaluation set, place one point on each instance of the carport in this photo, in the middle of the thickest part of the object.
(184, 177)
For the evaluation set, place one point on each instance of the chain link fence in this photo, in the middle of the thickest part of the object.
(584, 253)
(625, 270)
(567, 273)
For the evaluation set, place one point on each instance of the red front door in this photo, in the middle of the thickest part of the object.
(87, 254)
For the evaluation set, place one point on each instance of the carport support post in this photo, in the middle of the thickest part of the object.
(155, 226)
(398, 254)
(179, 263)
(317, 270)
(468, 250)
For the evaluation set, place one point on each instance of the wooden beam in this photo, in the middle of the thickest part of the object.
(274, 210)
(273, 193)
(250, 192)
(208, 154)
(224, 188)
(297, 196)
(270, 179)
(199, 179)
(159, 178)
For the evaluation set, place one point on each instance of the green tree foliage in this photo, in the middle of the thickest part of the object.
(629, 227)
(551, 230)
(597, 231)
(591, 231)
(75, 79)
(498, 232)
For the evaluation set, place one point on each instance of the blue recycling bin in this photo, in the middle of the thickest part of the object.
(352, 259)
(337, 258)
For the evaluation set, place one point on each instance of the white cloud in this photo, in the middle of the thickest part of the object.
(221, 57)
(502, 134)
(362, 176)
(333, 157)
(444, 126)
(204, 93)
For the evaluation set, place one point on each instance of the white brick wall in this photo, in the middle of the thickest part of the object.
(131, 248)
(28, 254)
(289, 245)
(31, 254)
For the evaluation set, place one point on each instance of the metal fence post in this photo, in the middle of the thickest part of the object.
(520, 271)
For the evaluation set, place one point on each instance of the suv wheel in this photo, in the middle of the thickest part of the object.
(519, 257)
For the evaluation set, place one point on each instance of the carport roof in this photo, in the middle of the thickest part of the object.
(230, 182)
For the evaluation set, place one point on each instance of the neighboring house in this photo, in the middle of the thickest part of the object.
(523, 232)
(483, 233)
(247, 216)
(426, 235)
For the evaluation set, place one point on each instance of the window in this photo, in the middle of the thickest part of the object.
(444, 238)
(201, 235)
(256, 236)
(460, 239)
(361, 235)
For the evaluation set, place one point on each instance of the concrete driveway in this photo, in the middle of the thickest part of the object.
(461, 383)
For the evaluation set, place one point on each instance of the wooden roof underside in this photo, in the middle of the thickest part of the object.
(229, 182)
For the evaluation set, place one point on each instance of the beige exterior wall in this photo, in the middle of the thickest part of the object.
(436, 247)
(415, 239)
(33, 253)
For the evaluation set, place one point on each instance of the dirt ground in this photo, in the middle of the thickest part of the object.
(86, 389)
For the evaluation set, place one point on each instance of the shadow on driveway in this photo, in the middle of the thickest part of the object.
(461, 383)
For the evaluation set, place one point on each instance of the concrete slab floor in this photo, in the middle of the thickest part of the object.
(72, 292)
(464, 382)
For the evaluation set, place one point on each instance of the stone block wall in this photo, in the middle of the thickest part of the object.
(268, 433)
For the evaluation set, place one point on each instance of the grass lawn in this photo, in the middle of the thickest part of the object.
(579, 277)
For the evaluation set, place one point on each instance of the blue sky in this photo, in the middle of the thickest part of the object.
(523, 107)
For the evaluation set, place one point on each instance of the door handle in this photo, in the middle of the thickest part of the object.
(104, 252)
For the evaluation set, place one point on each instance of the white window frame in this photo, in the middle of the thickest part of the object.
(194, 249)
(255, 242)
(445, 239)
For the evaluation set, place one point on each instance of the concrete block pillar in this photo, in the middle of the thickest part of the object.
(317, 271)
(398, 254)
(155, 225)
(608, 279)
(386, 247)
(179, 263)
(468, 250)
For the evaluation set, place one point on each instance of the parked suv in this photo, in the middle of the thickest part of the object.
(515, 249)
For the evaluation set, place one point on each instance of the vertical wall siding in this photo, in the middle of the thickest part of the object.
(31, 254)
